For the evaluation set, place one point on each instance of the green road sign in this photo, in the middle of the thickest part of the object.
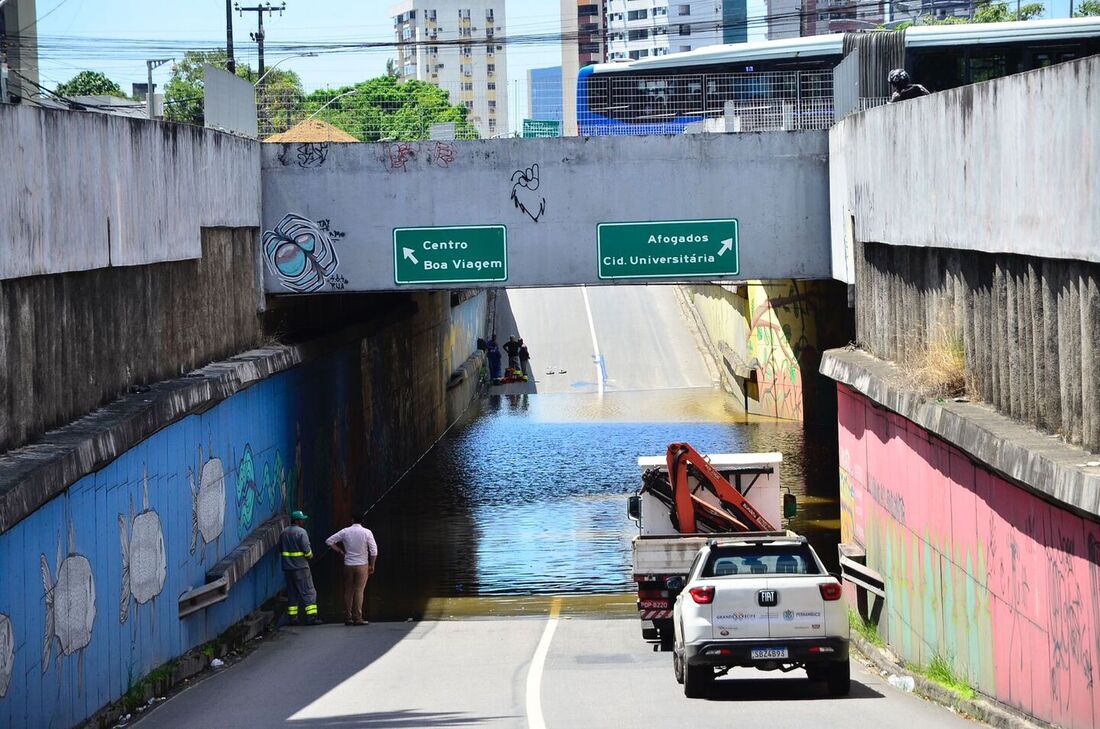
(469, 254)
(670, 248)
(541, 128)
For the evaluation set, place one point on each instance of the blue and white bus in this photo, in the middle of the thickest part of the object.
(664, 94)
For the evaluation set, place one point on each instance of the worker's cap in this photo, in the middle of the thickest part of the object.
(298, 515)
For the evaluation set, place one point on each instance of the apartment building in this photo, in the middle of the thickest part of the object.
(458, 46)
(583, 43)
(646, 28)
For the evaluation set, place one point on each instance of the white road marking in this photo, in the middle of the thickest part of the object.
(598, 360)
(534, 673)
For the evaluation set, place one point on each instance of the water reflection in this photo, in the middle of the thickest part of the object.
(526, 498)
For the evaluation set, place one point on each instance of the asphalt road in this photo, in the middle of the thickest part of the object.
(620, 338)
(540, 673)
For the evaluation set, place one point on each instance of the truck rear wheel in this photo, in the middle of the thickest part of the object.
(698, 681)
(839, 679)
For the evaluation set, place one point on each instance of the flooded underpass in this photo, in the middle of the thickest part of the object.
(524, 501)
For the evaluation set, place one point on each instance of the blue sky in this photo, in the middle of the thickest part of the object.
(203, 21)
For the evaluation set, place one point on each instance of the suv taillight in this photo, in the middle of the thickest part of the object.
(702, 595)
(831, 591)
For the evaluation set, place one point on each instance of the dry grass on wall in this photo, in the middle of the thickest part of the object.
(939, 368)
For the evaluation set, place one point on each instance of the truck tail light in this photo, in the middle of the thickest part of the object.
(702, 595)
(831, 591)
(644, 594)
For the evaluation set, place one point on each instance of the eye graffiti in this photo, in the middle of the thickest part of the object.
(300, 252)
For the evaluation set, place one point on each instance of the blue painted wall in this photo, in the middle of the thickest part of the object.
(280, 444)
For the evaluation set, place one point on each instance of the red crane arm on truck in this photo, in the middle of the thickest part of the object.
(743, 517)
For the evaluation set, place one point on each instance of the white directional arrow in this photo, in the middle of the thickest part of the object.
(727, 245)
(410, 255)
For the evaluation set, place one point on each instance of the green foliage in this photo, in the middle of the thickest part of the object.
(90, 83)
(942, 672)
(1087, 8)
(183, 95)
(992, 12)
(183, 92)
(384, 108)
(865, 629)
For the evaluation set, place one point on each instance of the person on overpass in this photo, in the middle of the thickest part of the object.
(904, 88)
(296, 553)
(360, 552)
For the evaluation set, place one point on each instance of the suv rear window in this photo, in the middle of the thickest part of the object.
(760, 559)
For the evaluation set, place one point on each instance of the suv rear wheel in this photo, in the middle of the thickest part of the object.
(698, 681)
(839, 679)
(677, 666)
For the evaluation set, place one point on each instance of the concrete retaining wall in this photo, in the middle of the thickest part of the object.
(1030, 327)
(979, 571)
(74, 341)
(1007, 166)
(769, 337)
(84, 190)
(89, 599)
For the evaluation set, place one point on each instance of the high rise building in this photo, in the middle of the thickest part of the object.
(645, 28)
(458, 46)
(544, 94)
(583, 43)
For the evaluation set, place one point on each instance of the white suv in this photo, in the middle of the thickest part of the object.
(764, 602)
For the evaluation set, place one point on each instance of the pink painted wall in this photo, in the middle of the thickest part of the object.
(1003, 584)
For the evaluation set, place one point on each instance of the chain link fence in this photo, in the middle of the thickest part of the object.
(608, 105)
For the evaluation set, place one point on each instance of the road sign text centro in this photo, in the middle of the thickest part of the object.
(669, 248)
(465, 254)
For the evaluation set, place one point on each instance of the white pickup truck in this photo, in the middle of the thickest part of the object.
(685, 499)
(765, 602)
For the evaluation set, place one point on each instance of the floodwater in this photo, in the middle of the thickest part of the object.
(524, 501)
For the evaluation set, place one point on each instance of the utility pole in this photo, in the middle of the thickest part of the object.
(230, 64)
(258, 36)
(149, 66)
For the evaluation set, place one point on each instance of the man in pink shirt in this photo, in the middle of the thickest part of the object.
(360, 552)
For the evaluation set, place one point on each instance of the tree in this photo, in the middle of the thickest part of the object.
(90, 83)
(391, 68)
(384, 108)
(183, 92)
(279, 92)
(1088, 8)
(992, 12)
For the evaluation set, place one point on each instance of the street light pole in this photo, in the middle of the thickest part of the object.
(311, 54)
(149, 66)
(334, 98)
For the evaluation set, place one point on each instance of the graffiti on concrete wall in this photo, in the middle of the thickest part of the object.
(781, 326)
(7, 653)
(301, 255)
(253, 493)
(306, 154)
(144, 564)
(525, 192)
(207, 502)
(397, 156)
(70, 604)
(979, 572)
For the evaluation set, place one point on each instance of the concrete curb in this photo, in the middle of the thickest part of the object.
(980, 708)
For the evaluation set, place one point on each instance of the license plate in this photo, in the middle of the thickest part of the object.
(760, 654)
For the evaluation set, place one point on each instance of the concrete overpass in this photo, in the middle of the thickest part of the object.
(545, 212)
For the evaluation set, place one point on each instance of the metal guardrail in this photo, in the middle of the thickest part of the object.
(854, 569)
(232, 567)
